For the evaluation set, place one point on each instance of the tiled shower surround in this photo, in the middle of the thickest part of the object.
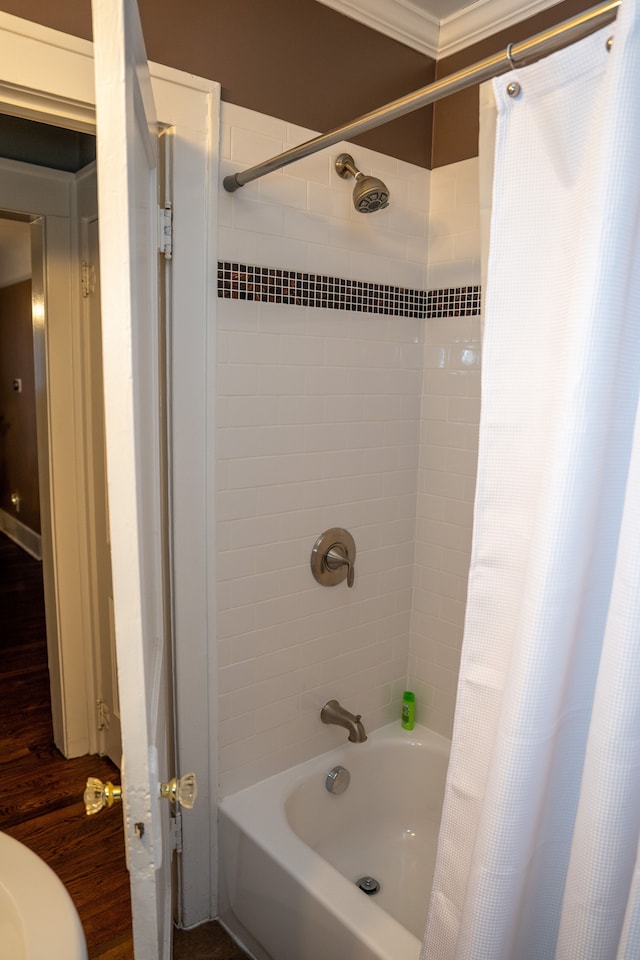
(331, 416)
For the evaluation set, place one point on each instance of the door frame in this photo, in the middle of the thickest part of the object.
(44, 198)
(48, 76)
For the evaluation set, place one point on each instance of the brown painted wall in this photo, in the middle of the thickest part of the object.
(297, 60)
(303, 62)
(18, 444)
(455, 119)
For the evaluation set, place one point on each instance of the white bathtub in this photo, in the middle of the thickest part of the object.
(38, 920)
(292, 852)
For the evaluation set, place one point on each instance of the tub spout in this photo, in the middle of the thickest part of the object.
(332, 712)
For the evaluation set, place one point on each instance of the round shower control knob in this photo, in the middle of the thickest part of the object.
(333, 557)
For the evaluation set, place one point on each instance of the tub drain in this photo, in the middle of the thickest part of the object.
(368, 885)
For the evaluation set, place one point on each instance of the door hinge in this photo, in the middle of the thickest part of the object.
(104, 717)
(86, 283)
(175, 823)
(165, 230)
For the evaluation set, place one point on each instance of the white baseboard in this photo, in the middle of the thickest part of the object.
(24, 536)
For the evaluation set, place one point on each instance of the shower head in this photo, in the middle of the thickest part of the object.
(369, 193)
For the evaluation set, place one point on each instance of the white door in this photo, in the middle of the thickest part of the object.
(45, 75)
(132, 335)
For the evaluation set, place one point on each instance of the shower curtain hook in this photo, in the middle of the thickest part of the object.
(510, 56)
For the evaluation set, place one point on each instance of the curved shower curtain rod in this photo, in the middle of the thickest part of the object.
(516, 54)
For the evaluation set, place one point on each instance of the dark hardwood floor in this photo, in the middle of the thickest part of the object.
(41, 792)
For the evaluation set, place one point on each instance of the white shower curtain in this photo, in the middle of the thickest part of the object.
(539, 845)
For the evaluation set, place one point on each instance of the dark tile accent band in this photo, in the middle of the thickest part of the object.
(453, 302)
(239, 281)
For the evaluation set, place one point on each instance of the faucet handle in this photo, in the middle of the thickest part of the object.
(336, 558)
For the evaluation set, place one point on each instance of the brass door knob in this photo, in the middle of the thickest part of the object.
(98, 795)
(183, 791)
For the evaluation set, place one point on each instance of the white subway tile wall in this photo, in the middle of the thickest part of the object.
(446, 488)
(454, 226)
(448, 451)
(319, 425)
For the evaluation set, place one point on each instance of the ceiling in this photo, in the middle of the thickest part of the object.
(55, 147)
(438, 28)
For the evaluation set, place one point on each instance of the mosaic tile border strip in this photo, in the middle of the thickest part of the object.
(239, 281)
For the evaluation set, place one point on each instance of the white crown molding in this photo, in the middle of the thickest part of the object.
(398, 19)
(412, 25)
(481, 20)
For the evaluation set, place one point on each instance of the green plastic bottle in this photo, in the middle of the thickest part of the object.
(408, 709)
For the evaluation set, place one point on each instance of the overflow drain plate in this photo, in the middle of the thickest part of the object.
(368, 885)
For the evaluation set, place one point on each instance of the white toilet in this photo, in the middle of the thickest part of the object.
(38, 919)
